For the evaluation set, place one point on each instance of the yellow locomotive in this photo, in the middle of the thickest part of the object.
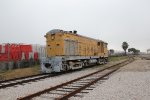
(67, 50)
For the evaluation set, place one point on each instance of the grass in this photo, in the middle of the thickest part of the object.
(16, 73)
(117, 58)
(36, 70)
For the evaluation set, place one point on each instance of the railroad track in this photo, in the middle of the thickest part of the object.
(27, 79)
(16, 81)
(74, 87)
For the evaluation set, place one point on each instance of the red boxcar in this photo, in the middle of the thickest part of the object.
(0, 48)
(4, 57)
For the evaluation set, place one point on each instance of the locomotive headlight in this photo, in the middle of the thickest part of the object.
(52, 37)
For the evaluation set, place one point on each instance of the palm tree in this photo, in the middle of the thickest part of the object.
(125, 46)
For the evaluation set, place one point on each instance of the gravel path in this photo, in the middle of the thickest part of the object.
(146, 56)
(12, 93)
(131, 82)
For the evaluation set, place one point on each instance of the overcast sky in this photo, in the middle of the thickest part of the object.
(114, 21)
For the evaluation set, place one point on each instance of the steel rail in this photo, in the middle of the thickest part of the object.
(14, 79)
(65, 97)
(29, 97)
(22, 80)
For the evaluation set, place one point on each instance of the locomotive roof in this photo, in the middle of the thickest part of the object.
(54, 31)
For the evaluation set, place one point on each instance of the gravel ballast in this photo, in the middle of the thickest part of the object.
(131, 82)
(12, 93)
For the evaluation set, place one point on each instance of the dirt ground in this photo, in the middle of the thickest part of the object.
(20, 72)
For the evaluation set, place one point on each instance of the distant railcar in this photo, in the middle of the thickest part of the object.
(18, 55)
(67, 50)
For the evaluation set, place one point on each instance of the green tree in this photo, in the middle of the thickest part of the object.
(125, 46)
(135, 51)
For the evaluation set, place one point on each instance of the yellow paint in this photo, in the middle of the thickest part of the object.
(86, 46)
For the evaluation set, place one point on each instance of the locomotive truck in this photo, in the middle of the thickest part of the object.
(67, 50)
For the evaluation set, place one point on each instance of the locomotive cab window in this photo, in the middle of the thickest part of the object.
(98, 43)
